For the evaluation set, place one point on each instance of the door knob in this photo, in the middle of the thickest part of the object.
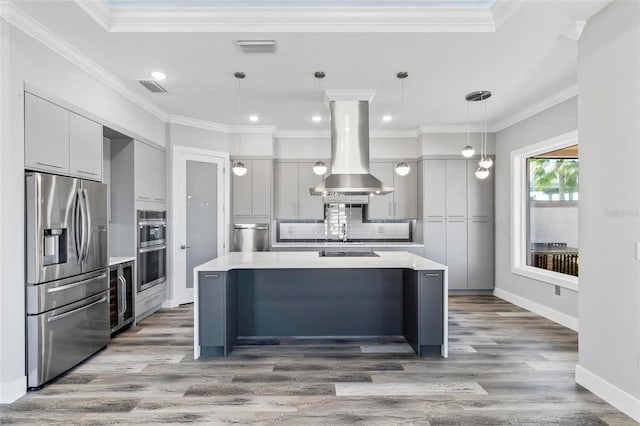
(184, 247)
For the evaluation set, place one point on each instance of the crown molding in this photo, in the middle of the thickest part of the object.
(289, 19)
(502, 10)
(25, 23)
(253, 129)
(382, 134)
(538, 107)
(453, 128)
(301, 134)
(199, 124)
(99, 10)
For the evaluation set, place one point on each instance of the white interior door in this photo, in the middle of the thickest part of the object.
(200, 194)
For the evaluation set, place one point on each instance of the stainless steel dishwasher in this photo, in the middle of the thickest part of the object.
(251, 237)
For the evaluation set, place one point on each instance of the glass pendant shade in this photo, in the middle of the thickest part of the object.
(468, 151)
(485, 162)
(319, 168)
(239, 169)
(403, 169)
(482, 173)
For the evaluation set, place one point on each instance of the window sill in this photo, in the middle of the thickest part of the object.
(554, 278)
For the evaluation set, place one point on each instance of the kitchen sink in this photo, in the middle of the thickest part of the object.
(344, 253)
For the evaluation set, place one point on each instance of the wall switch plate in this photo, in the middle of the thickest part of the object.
(637, 251)
(557, 290)
(380, 229)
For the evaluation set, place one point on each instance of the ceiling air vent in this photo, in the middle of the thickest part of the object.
(257, 46)
(152, 86)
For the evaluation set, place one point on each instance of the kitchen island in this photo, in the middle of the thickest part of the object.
(247, 295)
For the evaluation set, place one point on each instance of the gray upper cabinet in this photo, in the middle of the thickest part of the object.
(261, 190)
(85, 147)
(241, 191)
(479, 193)
(286, 189)
(60, 141)
(149, 173)
(402, 203)
(456, 188)
(381, 206)
(46, 135)
(434, 190)
(251, 193)
(405, 195)
(310, 206)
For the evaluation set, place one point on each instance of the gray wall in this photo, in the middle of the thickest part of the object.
(609, 111)
(554, 121)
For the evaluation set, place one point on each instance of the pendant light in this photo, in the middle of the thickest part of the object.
(239, 169)
(485, 162)
(319, 167)
(402, 168)
(468, 150)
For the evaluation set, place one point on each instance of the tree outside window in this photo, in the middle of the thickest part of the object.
(553, 212)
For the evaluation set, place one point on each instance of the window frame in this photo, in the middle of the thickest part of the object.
(519, 211)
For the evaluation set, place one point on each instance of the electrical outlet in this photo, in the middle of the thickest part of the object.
(637, 251)
(557, 290)
(380, 229)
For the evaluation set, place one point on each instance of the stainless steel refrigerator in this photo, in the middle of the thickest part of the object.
(67, 279)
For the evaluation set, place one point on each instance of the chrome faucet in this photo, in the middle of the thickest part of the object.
(344, 233)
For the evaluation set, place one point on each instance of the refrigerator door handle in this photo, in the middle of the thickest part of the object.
(87, 223)
(78, 237)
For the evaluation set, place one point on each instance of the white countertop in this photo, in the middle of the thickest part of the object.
(118, 260)
(321, 244)
(311, 260)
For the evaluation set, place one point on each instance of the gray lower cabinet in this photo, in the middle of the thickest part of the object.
(435, 239)
(212, 314)
(480, 254)
(457, 253)
(431, 314)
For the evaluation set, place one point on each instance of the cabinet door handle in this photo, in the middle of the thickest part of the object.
(87, 173)
(212, 275)
(395, 209)
(431, 274)
(144, 198)
(49, 165)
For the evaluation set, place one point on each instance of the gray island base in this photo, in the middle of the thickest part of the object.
(298, 294)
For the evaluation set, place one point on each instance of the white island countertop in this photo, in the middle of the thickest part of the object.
(312, 260)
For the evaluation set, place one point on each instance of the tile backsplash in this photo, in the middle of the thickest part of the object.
(344, 221)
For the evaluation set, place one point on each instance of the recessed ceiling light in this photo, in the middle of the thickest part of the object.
(157, 75)
(254, 118)
(317, 118)
(386, 118)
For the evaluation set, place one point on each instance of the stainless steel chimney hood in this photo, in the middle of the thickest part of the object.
(350, 147)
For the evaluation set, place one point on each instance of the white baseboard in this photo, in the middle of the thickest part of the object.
(610, 393)
(11, 391)
(551, 314)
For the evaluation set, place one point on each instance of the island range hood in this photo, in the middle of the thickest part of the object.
(350, 148)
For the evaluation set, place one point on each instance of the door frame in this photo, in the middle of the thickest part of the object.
(182, 154)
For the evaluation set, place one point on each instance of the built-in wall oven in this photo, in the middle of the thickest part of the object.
(152, 248)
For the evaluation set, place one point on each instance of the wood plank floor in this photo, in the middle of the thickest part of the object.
(506, 366)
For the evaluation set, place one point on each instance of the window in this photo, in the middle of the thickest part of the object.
(552, 211)
(544, 214)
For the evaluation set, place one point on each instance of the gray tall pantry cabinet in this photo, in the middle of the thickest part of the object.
(457, 215)
(251, 193)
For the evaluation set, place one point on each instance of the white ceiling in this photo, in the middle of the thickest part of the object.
(524, 61)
